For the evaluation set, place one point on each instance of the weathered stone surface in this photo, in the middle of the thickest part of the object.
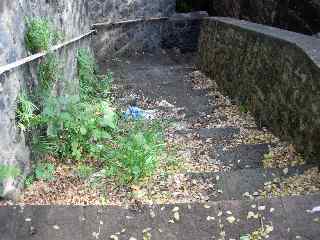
(276, 72)
(244, 155)
(113, 10)
(179, 32)
(219, 133)
(294, 15)
(69, 16)
(289, 219)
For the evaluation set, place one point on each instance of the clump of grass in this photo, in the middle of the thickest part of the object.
(92, 86)
(26, 117)
(45, 171)
(48, 73)
(76, 128)
(40, 35)
(84, 171)
(8, 171)
(134, 154)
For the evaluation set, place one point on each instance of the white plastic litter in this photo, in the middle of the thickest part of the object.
(315, 209)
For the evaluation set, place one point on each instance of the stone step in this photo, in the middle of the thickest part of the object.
(219, 133)
(234, 184)
(288, 216)
(243, 156)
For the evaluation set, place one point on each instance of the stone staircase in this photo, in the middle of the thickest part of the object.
(233, 209)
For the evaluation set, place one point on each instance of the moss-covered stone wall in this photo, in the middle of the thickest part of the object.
(274, 72)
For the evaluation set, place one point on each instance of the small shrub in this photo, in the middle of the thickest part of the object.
(92, 86)
(84, 171)
(40, 35)
(45, 171)
(48, 73)
(75, 126)
(135, 154)
(26, 117)
(7, 171)
(29, 180)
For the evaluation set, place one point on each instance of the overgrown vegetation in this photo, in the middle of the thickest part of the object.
(49, 72)
(26, 117)
(92, 86)
(41, 34)
(84, 129)
(134, 152)
(75, 128)
(7, 171)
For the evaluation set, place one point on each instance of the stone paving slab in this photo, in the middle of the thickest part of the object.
(244, 156)
(162, 77)
(219, 133)
(301, 222)
(233, 184)
(288, 216)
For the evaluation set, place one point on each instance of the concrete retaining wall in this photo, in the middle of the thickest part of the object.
(147, 35)
(275, 73)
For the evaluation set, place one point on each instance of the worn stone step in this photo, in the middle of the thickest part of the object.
(219, 133)
(290, 217)
(243, 156)
(234, 184)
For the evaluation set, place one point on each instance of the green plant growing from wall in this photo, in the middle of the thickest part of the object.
(7, 171)
(48, 73)
(183, 6)
(92, 86)
(26, 117)
(40, 35)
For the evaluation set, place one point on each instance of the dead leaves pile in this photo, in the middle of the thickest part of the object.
(304, 184)
(65, 189)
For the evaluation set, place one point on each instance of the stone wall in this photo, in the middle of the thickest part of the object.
(295, 15)
(13, 146)
(113, 10)
(128, 38)
(274, 72)
(70, 16)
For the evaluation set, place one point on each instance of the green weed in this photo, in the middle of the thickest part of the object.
(75, 126)
(29, 180)
(45, 171)
(40, 35)
(25, 112)
(7, 171)
(92, 86)
(48, 73)
(84, 171)
(134, 155)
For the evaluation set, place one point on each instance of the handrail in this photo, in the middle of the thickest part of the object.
(129, 21)
(33, 57)
(20, 62)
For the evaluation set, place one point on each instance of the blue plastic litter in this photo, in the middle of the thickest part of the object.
(134, 113)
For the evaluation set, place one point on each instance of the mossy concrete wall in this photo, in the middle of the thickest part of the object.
(275, 73)
(180, 32)
(115, 10)
(72, 18)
